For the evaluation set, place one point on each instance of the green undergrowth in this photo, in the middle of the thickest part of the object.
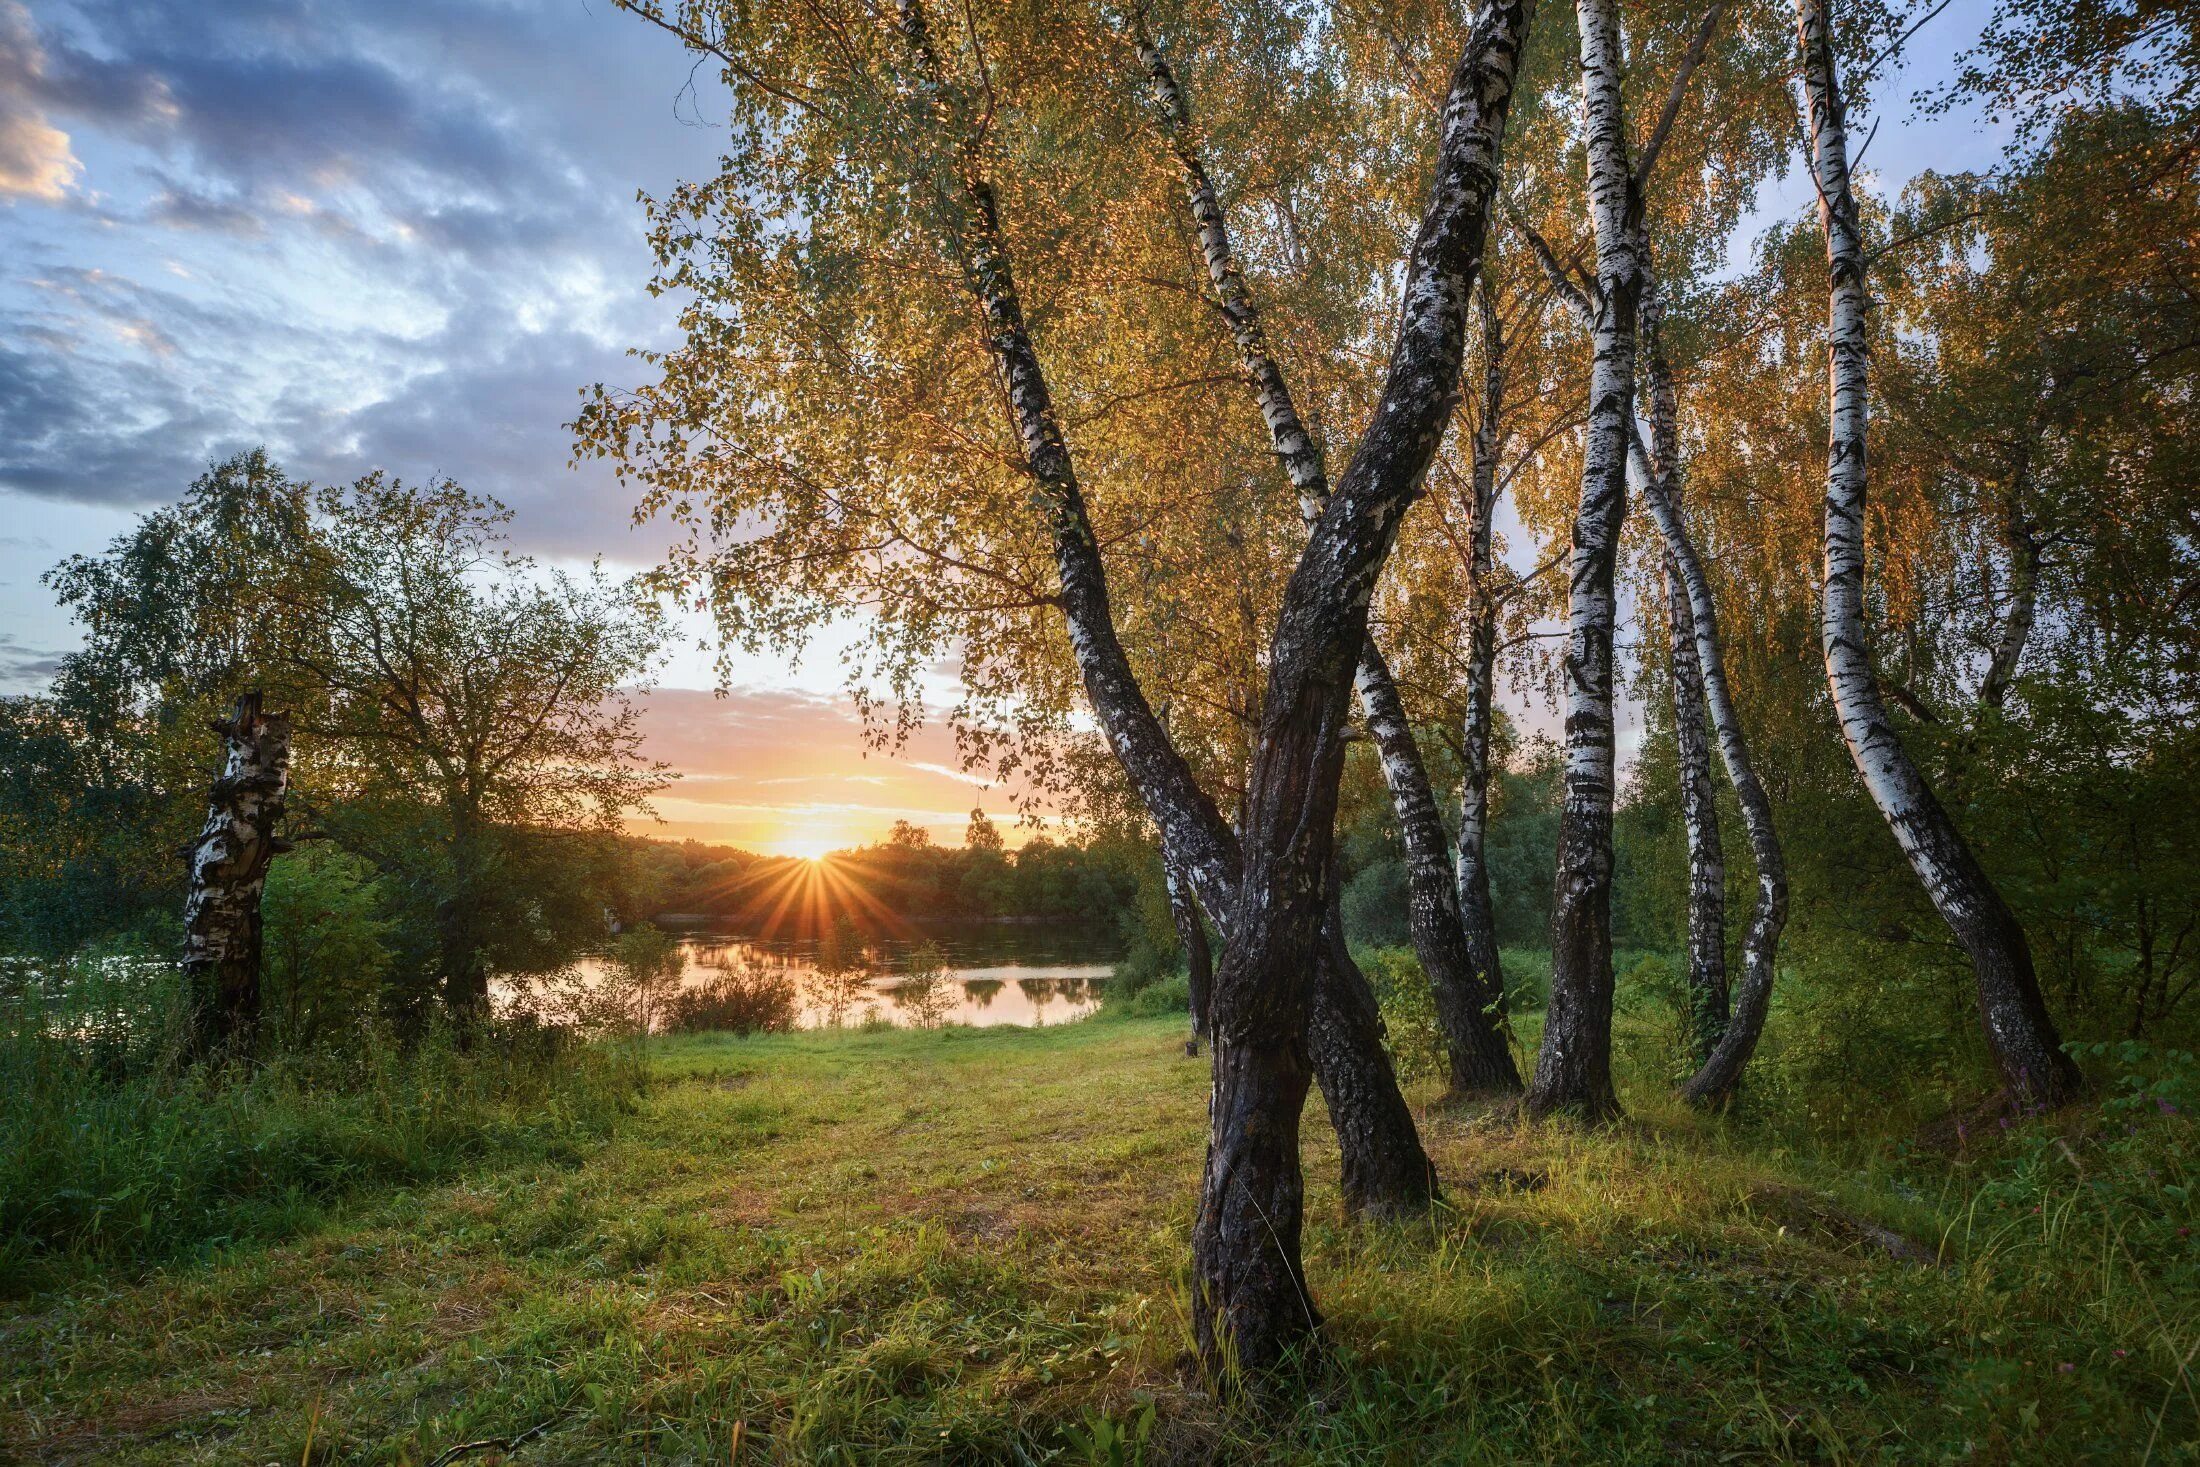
(116, 1158)
(969, 1245)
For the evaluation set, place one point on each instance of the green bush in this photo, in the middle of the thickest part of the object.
(1142, 966)
(1170, 995)
(745, 999)
(327, 945)
(1410, 1029)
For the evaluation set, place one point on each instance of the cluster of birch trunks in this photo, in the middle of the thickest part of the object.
(1285, 1004)
(1284, 1009)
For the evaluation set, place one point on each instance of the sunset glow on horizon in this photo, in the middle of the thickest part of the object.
(786, 773)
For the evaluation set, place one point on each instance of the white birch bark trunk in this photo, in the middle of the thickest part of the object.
(2024, 592)
(2018, 1029)
(1707, 982)
(1470, 856)
(1713, 1084)
(1573, 1070)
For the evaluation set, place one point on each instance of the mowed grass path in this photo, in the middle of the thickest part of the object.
(969, 1246)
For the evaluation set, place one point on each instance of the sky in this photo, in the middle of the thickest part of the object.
(403, 234)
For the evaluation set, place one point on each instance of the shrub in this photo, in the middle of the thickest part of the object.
(925, 992)
(1410, 1030)
(747, 999)
(1141, 966)
(1171, 995)
(644, 971)
(328, 945)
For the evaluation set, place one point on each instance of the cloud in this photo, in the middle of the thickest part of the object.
(179, 206)
(23, 668)
(396, 235)
(35, 161)
(35, 158)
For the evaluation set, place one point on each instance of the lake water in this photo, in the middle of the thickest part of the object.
(995, 972)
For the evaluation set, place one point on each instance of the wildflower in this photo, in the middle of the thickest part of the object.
(2065, 1368)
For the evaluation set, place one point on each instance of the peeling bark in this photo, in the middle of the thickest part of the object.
(1573, 1072)
(2018, 1029)
(229, 860)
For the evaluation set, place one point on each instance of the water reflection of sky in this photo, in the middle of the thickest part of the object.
(996, 973)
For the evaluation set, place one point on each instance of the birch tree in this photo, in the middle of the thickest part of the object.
(1573, 1070)
(1270, 882)
(2018, 1029)
(229, 863)
(1466, 981)
(1724, 1034)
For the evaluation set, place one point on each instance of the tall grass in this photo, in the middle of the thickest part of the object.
(116, 1155)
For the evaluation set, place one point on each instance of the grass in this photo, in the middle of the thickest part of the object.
(968, 1245)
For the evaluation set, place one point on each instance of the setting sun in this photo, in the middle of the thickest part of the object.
(806, 847)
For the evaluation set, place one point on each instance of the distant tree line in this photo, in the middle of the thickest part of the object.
(1093, 879)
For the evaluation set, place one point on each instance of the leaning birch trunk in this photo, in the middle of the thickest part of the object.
(1713, 1084)
(221, 913)
(1353, 1068)
(1250, 1309)
(1742, 1025)
(1707, 986)
(2024, 593)
(1573, 1071)
(1466, 992)
(1385, 1170)
(1466, 985)
(1470, 858)
(1707, 990)
(2018, 1029)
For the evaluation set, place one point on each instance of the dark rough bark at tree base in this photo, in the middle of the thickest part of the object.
(1251, 1309)
(229, 860)
(1386, 1172)
(1573, 1073)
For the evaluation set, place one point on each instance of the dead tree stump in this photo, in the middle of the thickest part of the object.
(221, 914)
